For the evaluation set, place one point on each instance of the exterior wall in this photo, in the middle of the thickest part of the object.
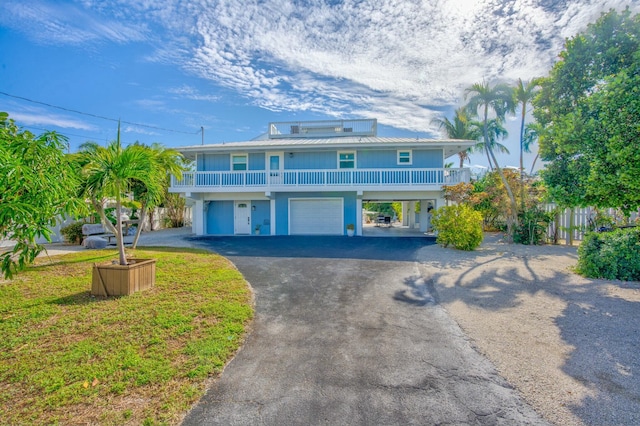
(432, 158)
(388, 158)
(256, 161)
(261, 216)
(214, 162)
(311, 160)
(314, 160)
(219, 218)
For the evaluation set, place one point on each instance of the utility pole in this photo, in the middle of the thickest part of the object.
(202, 131)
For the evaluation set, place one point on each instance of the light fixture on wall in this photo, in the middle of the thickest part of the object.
(291, 155)
(253, 208)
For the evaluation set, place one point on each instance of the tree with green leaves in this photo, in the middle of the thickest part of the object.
(498, 100)
(460, 128)
(110, 172)
(37, 187)
(589, 107)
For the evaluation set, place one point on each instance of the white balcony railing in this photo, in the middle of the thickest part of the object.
(320, 178)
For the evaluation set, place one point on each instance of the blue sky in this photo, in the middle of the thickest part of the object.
(166, 68)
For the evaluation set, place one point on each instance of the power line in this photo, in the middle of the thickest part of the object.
(62, 133)
(97, 116)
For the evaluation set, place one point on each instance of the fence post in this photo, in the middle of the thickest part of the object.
(572, 221)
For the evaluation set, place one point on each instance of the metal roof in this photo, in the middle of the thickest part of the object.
(450, 146)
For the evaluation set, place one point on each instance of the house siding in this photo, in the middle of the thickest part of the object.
(261, 216)
(311, 160)
(427, 159)
(214, 162)
(257, 161)
(365, 159)
(220, 218)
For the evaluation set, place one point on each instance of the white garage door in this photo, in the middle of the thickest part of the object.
(321, 216)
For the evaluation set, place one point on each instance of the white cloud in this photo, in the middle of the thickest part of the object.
(41, 118)
(62, 24)
(400, 62)
(384, 58)
(190, 92)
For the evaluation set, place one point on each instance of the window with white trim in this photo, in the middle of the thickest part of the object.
(239, 162)
(347, 160)
(405, 157)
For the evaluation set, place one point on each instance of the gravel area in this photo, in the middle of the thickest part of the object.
(570, 345)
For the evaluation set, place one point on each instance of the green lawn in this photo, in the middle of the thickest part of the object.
(69, 358)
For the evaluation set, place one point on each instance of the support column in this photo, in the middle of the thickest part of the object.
(272, 213)
(359, 215)
(405, 214)
(198, 218)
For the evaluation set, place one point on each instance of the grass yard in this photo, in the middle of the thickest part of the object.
(69, 358)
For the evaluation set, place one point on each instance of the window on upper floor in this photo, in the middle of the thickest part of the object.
(405, 157)
(347, 160)
(239, 162)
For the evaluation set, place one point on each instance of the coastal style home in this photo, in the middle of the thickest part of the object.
(311, 178)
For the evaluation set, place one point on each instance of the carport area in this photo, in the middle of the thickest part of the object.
(397, 218)
(395, 230)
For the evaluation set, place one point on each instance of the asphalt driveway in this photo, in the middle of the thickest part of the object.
(347, 332)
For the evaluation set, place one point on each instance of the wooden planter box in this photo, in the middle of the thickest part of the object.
(123, 280)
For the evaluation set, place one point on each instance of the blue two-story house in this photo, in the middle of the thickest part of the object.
(311, 178)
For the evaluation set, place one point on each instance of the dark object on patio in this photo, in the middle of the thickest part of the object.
(383, 220)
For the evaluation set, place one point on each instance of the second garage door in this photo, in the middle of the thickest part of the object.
(315, 216)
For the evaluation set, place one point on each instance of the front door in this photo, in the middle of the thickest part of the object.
(242, 217)
(275, 161)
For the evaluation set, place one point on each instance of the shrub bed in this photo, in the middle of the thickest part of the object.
(611, 255)
(459, 226)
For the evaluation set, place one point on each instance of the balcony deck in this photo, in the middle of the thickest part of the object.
(352, 179)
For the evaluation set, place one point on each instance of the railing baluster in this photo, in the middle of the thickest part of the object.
(379, 177)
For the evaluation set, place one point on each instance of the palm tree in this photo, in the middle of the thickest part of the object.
(522, 95)
(109, 172)
(498, 99)
(169, 161)
(460, 128)
(495, 132)
(533, 132)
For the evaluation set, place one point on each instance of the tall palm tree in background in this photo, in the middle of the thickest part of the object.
(533, 132)
(523, 94)
(109, 173)
(460, 128)
(495, 132)
(498, 100)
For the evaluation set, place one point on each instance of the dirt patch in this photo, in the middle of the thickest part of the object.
(567, 343)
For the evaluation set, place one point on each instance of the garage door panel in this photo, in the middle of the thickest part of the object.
(316, 216)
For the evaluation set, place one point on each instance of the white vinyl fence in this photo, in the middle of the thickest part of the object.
(159, 216)
(571, 224)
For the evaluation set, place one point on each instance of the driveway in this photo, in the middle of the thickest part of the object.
(347, 331)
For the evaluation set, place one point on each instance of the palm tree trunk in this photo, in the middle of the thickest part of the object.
(534, 163)
(141, 216)
(103, 217)
(513, 220)
(524, 110)
(119, 236)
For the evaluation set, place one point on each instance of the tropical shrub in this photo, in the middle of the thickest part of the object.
(72, 233)
(532, 227)
(611, 255)
(458, 225)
